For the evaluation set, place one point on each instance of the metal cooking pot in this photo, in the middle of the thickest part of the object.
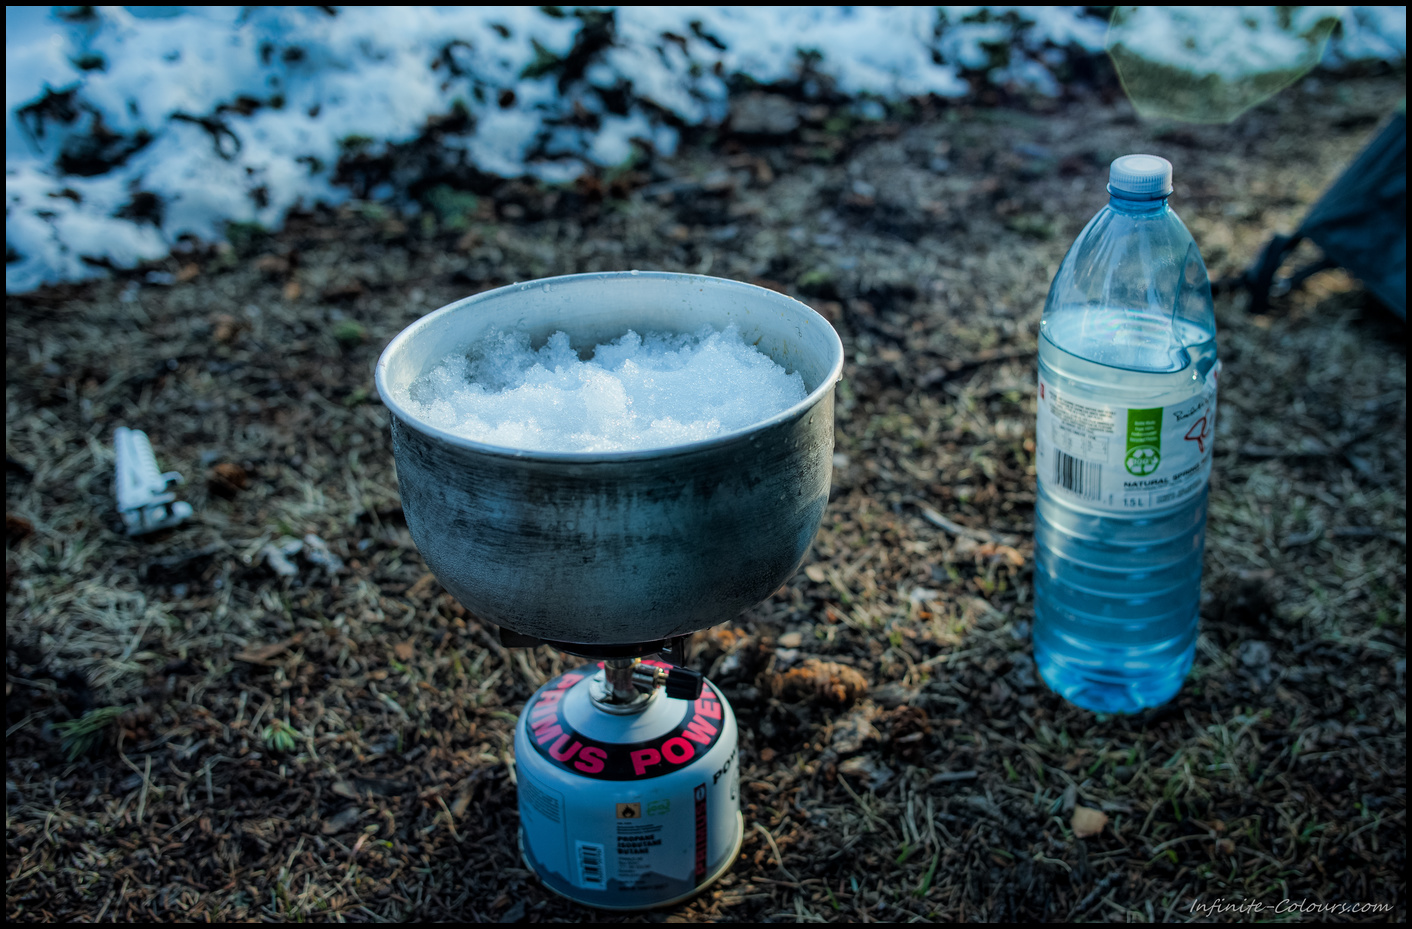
(604, 551)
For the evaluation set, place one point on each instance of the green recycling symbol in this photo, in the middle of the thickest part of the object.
(1142, 460)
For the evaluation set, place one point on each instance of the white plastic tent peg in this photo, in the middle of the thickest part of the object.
(144, 501)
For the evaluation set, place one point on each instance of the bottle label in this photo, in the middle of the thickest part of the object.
(1123, 460)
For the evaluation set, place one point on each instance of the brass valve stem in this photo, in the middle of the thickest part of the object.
(619, 673)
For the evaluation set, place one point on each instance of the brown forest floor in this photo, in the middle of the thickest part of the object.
(948, 789)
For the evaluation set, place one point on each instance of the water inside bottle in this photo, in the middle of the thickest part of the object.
(1116, 597)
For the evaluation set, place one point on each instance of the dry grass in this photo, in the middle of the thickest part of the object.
(337, 745)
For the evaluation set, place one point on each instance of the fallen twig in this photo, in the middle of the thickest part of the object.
(950, 369)
(955, 528)
(1094, 894)
(779, 859)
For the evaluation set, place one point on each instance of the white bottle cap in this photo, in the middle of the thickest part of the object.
(1140, 177)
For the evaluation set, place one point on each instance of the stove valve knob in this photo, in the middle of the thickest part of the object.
(684, 684)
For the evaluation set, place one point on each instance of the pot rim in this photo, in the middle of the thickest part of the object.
(792, 412)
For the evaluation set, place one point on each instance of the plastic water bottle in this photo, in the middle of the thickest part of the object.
(1127, 408)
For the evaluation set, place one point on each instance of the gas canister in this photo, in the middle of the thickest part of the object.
(627, 810)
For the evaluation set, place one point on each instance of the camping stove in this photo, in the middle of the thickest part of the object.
(626, 767)
(629, 790)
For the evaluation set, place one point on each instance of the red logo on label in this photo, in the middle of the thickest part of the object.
(566, 748)
(1198, 434)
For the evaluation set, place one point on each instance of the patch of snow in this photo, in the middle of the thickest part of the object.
(240, 114)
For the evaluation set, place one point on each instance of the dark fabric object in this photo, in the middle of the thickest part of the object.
(1360, 223)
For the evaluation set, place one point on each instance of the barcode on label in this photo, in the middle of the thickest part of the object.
(1077, 476)
(591, 865)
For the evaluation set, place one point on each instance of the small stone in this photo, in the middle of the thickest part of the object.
(225, 327)
(718, 182)
(762, 114)
(1255, 654)
(1088, 821)
(316, 551)
(1022, 674)
(279, 562)
(854, 730)
(227, 479)
(341, 821)
(784, 657)
(892, 695)
(343, 290)
(272, 265)
(16, 528)
(1256, 659)
(875, 774)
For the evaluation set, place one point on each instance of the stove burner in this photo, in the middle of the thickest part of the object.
(673, 647)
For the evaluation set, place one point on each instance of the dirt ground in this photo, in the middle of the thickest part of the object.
(336, 744)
